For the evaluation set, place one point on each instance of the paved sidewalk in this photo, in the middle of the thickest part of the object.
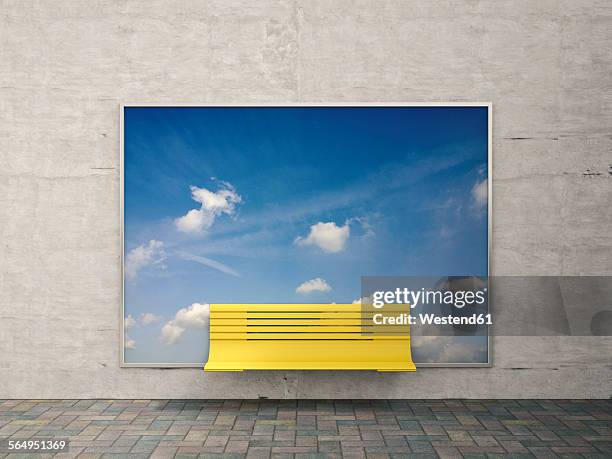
(266, 428)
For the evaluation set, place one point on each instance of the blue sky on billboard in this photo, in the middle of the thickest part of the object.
(291, 204)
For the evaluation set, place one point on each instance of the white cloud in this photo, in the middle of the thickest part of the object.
(129, 322)
(313, 285)
(144, 255)
(366, 226)
(480, 193)
(213, 205)
(129, 343)
(195, 316)
(365, 299)
(171, 332)
(148, 318)
(327, 236)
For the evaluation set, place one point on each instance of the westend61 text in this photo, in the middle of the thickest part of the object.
(431, 319)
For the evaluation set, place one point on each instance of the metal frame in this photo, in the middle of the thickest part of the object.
(489, 106)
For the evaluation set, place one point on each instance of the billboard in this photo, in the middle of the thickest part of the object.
(296, 204)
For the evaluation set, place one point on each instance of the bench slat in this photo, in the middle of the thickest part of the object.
(289, 329)
(289, 315)
(296, 321)
(296, 308)
(301, 336)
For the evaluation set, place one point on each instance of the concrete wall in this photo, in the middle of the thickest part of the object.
(66, 66)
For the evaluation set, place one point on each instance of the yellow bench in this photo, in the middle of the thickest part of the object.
(301, 337)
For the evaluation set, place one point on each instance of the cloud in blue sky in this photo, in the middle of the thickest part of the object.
(329, 237)
(195, 316)
(128, 342)
(151, 254)
(213, 204)
(148, 318)
(313, 285)
(129, 322)
(480, 193)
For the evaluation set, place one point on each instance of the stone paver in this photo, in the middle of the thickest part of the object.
(313, 428)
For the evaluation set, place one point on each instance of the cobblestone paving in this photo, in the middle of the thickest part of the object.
(341, 428)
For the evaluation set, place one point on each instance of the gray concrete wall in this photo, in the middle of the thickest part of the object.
(66, 65)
